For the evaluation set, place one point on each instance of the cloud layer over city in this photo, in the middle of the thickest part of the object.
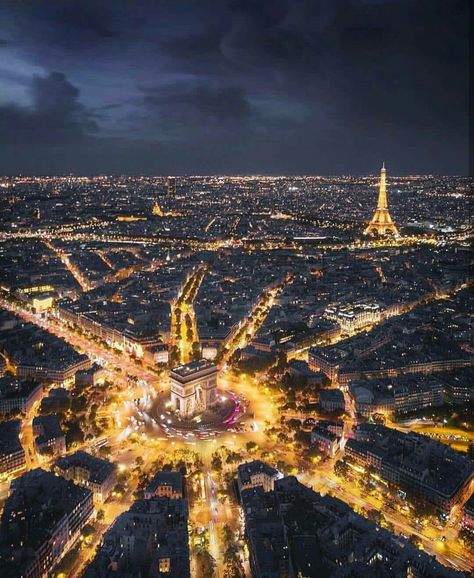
(277, 86)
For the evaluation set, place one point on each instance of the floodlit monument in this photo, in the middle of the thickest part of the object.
(193, 387)
(381, 223)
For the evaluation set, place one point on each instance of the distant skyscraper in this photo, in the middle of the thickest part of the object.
(381, 223)
(171, 186)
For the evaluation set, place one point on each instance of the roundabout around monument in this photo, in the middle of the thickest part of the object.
(156, 415)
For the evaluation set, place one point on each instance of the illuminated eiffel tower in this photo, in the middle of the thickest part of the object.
(381, 223)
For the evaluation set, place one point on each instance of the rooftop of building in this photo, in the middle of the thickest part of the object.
(51, 426)
(193, 367)
(9, 437)
(328, 395)
(12, 387)
(167, 478)
(324, 432)
(249, 469)
(441, 468)
(98, 468)
(42, 499)
(159, 519)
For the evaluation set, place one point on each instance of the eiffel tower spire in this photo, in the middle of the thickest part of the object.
(381, 223)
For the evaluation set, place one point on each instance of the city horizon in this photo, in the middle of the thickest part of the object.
(233, 175)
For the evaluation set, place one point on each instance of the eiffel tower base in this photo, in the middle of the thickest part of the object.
(381, 225)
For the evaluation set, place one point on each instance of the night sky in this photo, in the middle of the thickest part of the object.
(233, 87)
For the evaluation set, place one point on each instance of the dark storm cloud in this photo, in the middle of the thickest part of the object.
(83, 20)
(242, 86)
(70, 24)
(194, 46)
(186, 100)
(55, 117)
(392, 57)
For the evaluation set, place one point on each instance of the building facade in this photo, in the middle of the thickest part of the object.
(254, 474)
(417, 463)
(49, 437)
(18, 395)
(165, 485)
(88, 471)
(150, 539)
(12, 454)
(53, 512)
